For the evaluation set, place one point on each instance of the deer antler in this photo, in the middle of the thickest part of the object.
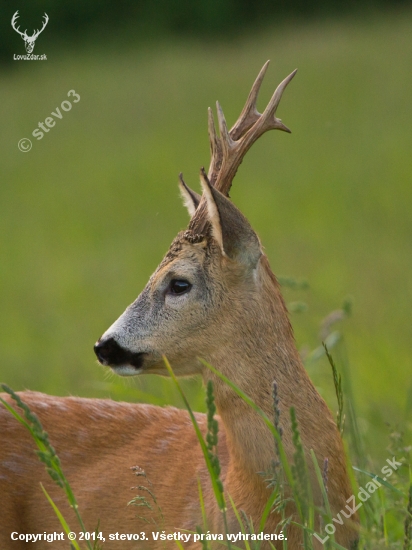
(36, 33)
(13, 24)
(228, 150)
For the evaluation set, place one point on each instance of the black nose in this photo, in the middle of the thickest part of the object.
(109, 352)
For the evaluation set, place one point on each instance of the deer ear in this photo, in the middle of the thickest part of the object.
(190, 198)
(230, 228)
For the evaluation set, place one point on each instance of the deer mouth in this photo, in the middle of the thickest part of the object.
(110, 354)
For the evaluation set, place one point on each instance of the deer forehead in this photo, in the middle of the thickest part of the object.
(184, 259)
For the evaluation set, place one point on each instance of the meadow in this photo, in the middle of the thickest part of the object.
(89, 212)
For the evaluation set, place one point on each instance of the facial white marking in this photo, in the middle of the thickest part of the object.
(126, 370)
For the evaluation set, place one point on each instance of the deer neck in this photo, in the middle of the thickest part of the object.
(261, 350)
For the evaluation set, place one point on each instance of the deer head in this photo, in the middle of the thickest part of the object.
(213, 273)
(29, 41)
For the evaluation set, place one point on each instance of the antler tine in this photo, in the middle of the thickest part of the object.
(270, 110)
(249, 114)
(225, 138)
(215, 149)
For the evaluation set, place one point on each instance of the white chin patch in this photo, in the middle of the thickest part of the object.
(126, 370)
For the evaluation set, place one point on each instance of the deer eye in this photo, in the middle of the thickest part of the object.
(179, 286)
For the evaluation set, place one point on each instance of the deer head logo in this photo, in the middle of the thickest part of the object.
(29, 41)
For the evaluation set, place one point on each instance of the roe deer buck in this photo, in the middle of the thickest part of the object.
(213, 296)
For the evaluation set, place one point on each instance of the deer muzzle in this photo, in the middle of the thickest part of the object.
(110, 354)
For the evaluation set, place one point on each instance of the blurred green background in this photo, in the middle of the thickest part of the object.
(87, 214)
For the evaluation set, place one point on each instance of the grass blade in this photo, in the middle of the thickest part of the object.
(381, 481)
(60, 517)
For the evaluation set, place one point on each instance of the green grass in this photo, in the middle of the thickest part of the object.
(88, 213)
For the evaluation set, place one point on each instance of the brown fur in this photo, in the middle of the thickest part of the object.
(234, 317)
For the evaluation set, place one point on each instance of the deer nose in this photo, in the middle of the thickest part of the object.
(107, 351)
